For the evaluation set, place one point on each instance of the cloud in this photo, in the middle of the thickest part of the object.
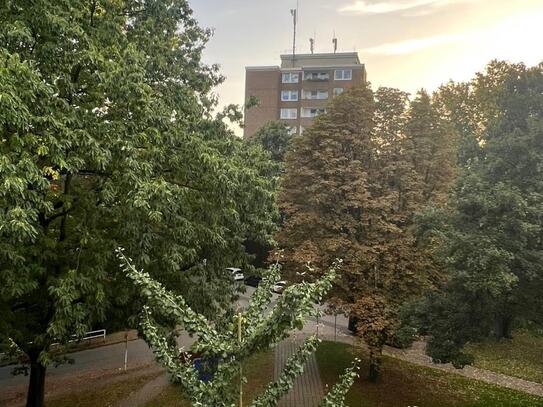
(413, 45)
(392, 6)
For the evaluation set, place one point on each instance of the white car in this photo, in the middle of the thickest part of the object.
(279, 287)
(236, 273)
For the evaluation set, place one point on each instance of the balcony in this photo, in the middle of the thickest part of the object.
(316, 76)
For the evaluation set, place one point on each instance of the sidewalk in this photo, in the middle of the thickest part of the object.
(307, 389)
(417, 355)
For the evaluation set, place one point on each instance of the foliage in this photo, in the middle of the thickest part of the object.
(491, 240)
(353, 184)
(273, 137)
(107, 138)
(246, 333)
(336, 396)
(374, 325)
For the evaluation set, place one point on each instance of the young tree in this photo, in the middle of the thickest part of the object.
(106, 138)
(253, 330)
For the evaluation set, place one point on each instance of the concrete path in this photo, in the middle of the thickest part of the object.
(307, 390)
(417, 355)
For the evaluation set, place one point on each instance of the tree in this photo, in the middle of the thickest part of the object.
(245, 333)
(342, 196)
(375, 326)
(490, 239)
(275, 138)
(106, 138)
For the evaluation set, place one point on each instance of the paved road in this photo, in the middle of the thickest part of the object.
(105, 358)
(112, 356)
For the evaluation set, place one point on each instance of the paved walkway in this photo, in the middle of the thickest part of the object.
(417, 355)
(307, 389)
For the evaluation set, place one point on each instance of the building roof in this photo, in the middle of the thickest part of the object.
(306, 61)
(319, 60)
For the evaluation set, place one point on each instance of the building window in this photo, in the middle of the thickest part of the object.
(312, 111)
(315, 94)
(343, 74)
(338, 91)
(289, 95)
(290, 77)
(289, 114)
(316, 76)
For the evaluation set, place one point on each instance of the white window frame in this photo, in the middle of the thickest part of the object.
(289, 97)
(293, 77)
(304, 109)
(339, 75)
(338, 91)
(288, 116)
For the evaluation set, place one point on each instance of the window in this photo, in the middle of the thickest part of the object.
(290, 77)
(289, 95)
(315, 94)
(316, 76)
(289, 114)
(343, 74)
(338, 91)
(312, 111)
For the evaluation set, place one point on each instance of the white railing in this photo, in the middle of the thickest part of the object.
(100, 333)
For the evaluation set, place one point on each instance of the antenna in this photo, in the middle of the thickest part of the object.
(334, 41)
(312, 45)
(294, 13)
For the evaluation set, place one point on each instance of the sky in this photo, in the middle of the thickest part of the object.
(406, 44)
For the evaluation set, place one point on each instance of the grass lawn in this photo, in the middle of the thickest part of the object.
(403, 384)
(520, 357)
(108, 395)
(258, 370)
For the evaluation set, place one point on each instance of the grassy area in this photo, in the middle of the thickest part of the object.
(404, 384)
(519, 357)
(259, 372)
(108, 395)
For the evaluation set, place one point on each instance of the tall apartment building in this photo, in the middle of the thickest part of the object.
(298, 90)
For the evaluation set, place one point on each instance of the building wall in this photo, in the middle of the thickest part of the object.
(266, 84)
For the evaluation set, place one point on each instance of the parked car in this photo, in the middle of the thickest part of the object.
(236, 273)
(253, 281)
(279, 287)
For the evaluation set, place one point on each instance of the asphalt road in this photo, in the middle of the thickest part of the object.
(112, 356)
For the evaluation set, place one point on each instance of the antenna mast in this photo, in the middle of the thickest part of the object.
(294, 13)
(334, 41)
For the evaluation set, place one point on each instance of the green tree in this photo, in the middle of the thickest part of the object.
(106, 138)
(491, 238)
(275, 138)
(252, 330)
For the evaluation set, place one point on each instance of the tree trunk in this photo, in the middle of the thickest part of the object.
(375, 365)
(504, 327)
(36, 386)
